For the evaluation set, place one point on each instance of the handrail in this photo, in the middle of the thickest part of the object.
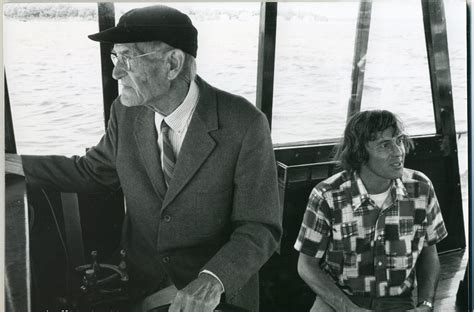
(332, 141)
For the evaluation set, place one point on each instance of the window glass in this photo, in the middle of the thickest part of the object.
(227, 42)
(54, 81)
(397, 74)
(53, 75)
(53, 69)
(314, 51)
(456, 27)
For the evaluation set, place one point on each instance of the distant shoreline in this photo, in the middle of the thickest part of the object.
(62, 11)
(48, 11)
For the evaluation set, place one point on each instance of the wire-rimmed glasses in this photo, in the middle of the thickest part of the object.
(125, 60)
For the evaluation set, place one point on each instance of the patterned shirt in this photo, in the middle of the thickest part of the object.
(370, 250)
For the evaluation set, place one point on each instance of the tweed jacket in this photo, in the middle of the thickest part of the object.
(221, 211)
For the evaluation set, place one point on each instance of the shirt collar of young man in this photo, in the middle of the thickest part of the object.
(359, 193)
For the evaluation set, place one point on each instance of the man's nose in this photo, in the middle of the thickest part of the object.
(398, 149)
(118, 72)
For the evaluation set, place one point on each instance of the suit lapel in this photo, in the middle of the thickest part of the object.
(198, 143)
(146, 137)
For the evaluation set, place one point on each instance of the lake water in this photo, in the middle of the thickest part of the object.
(54, 78)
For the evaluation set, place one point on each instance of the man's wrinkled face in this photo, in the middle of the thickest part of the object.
(146, 79)
(386, 156)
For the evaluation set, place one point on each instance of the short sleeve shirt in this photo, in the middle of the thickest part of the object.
(370, 250)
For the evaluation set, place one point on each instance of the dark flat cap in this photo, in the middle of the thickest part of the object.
(153, 23)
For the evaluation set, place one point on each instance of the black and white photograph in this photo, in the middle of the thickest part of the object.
(237, 156)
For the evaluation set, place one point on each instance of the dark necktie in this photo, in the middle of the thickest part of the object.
(169, 159)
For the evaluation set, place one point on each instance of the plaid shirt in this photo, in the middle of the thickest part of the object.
(370, 250)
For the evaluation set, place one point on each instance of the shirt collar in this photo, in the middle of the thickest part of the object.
(400, 190)
(178, 119)
(360, 195)
(358, 191)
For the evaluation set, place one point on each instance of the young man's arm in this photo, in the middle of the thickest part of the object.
(427, 275)
(323, 286)
(427, 265)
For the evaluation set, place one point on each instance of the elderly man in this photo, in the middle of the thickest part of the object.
(196, 166)
(367, 228)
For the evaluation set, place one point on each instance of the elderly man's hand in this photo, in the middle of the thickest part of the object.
(201, 295)
(421, 309)
(13, 164)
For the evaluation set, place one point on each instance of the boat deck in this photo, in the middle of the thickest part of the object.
(453, 267)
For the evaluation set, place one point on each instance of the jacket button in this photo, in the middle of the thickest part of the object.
(165, 259)
(167, 218)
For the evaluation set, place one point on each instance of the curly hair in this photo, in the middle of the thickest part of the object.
(362, 128)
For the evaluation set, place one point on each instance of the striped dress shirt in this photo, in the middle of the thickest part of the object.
(178, 121)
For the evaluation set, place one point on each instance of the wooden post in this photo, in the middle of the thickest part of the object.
(106, 12)
(266, 58)
(10, 145)
(441, 90)
(468, 291)
(17, 248)
(360, 52)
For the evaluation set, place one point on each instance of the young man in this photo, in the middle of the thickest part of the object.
(196, 166)
(371, 230)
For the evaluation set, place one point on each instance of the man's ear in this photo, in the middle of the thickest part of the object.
(176, 59)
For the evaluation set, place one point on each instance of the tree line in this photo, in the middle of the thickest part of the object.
(22, 11)
(67, 10)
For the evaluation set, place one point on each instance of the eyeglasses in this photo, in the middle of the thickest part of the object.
(115, 57)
